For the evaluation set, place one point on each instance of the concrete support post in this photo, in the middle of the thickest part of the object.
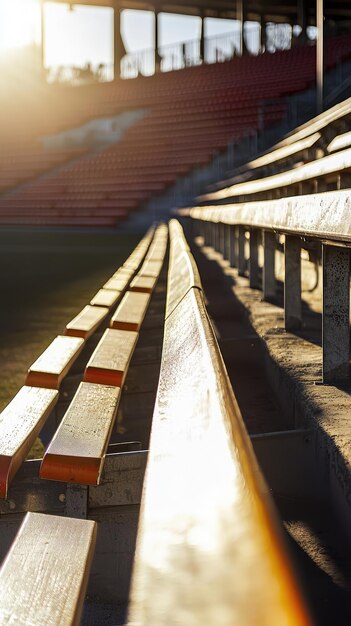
(269, 280)
(320, 55)
(222, 248)
(241, 251)
(227, 230)
(292, 283)
(344, 181)
(157, 42)
(253, 263)
(119, 50)
(336, 314)
(233, 255)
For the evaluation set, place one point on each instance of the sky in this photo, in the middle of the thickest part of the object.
(85, 34)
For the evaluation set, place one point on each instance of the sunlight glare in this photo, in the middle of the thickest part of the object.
(19, 23)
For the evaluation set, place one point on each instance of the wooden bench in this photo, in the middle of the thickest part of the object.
(55, 362)
(77, 451)
(79, 446)
(24, 417)
(86, 322)
(321, 218)
(210, 547)
(44, 577)
(334, 165)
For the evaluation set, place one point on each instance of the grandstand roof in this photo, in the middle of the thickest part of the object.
(273, 10)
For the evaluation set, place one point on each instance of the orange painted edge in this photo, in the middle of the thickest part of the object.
(119, 325)
(103, 376)
(71, 469)
(42, 379)
(78, 332)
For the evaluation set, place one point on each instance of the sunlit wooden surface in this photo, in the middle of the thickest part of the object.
(151, 268)
(78, 448)
(86, 322)
(119, 281)
(327, 214)
(210, 549)
(44, 577)
(109, 362)
(20, 423)
(105, 297)
(55, 362)
(143, 284)
(131, 311)
(332, 164)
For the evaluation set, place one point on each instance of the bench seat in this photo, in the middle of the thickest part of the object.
(86, 322)
(131, 311)
(44, 577)
(77, 451)
(209, 541)
(105, 298)
(55, 362)
(20, 423)
(143, 284)
(109, 362)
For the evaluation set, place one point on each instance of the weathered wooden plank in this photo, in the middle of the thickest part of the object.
(151, 268)
(209, 540)
(143, 284)
(183, 273)
(55, 362)
(109, 362)
(44, 577)
(131, 311)
(106, 298)
(20, 423)
(77, 451)
(332, 164)
(119, 281)
(324, 215)
(86, 322)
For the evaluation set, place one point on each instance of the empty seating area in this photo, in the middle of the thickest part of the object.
(197, 528)
(190, 116)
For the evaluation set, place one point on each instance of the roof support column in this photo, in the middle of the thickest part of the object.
(202, 39)
(320, 55)
(157, 44)
(302, 19)
(119, 50)
(42, 37)
(240, 18)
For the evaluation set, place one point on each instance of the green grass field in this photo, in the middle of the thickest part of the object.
(45, 279)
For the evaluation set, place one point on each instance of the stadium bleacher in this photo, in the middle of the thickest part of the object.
(191, 116)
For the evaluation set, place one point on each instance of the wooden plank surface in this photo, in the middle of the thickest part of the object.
(340, 142)
(86, 322)
(183, 273)
(120, 280)
(151, 268)
(55, 362)
(143, 284)
(332, 164)
(78, 449)
(20, 423)
(44, 577)
(106, 298)
(131, 311)
(109, 362)
(210, 547)
(323, 215)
